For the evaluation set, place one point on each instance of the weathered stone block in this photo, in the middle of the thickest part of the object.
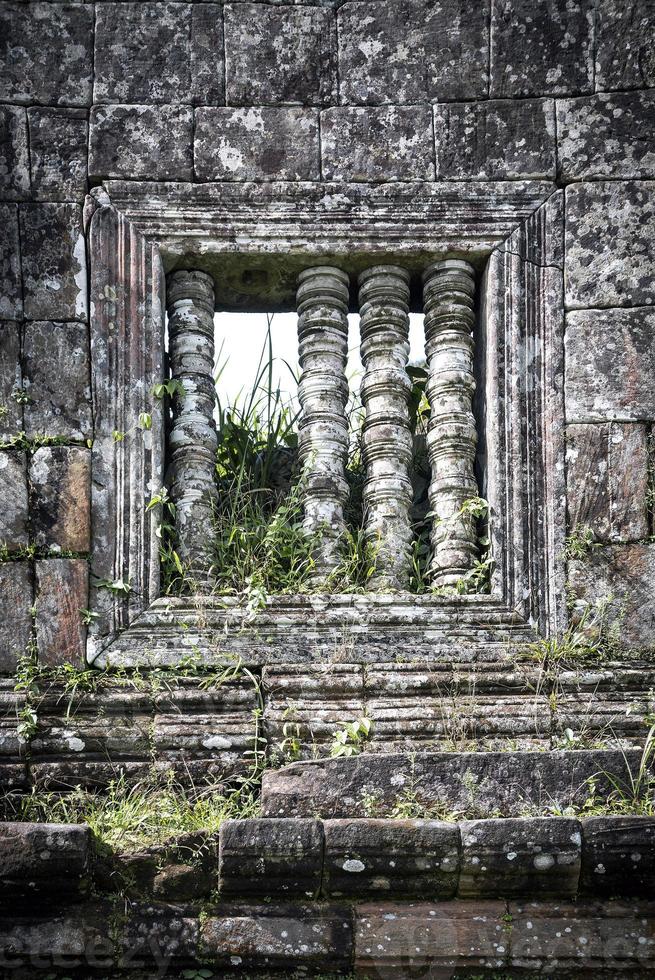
(625, 54)
(14, 154)
(54, 261)
(279, 54)
(11, 380)
(606, 136)
(46, 53)
(394, 857)
(592, 939)
(41, 859)
(265, 143)
(271, 857)
(62, 592)
(16, 623)
(158, 53)
(56, 364)
(429, 939)
(153, 933)
(620, 575)
(377, 143)
(495, 140)
(70, 938)
(541, 49)
(141, 141)
(279, 937)
(607, 480)
(60, 489)
(618, 856)
(412, 51)
(11, 295)
(58, 153)
(531, 857)
(610, 365)
(610, 228)
(13, 512)
(489, 782)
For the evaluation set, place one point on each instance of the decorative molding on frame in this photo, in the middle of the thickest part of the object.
(514, 229)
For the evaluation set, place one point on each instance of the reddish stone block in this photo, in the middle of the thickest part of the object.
(60, 487)
(62, 587)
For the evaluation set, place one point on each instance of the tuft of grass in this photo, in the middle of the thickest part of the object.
(129, 816)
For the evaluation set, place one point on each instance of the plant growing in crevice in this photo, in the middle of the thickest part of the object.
(352, 738)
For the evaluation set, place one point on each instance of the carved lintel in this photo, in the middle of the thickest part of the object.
(323, 393)
(386, 437)
(448, 294)
(193, 441)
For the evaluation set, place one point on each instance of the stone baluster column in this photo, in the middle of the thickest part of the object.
(449, 289)
(193, 441)
(323, 392)
(386, 437)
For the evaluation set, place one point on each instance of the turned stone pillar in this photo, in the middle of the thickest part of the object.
(386, 437)
(323, 394)
(449, 289)
(190, 302)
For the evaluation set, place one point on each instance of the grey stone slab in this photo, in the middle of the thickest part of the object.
(610, 230)
(607, 135)
(412, 51)
(158, 52)
(262, 143)
(46, 53)
(56, 365)
(53, 254)
(13, 513)
(60, 491)
(607, 479)
(279, 54)
(543, 48)
(62, 592)
(391, 857)
(16, 587)
(532, 857)
(622, 576)
(618, 856)
(506, 138)
(11, 293)
(41, 859)
(625, 53)
(14, 154)
(271, 857)
(492, 783)
(141, 141)
(610, 365)
(382, 143)
(58, 153)
(11, 380)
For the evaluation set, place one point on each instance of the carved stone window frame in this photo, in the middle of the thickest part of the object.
(139, 231)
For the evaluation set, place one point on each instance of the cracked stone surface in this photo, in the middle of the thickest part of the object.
(13, 515)
(16, 621)
(60, 485)
(53, 351)
(62, 587)
(495, 140)
(262, 143)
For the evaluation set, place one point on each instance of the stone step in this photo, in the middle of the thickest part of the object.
(462, 784)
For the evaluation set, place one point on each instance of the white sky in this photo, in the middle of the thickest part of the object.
(240, 339)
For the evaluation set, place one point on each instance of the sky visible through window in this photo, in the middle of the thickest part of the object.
(241, 337)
